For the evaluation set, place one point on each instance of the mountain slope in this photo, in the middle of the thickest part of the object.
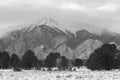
(48, 36)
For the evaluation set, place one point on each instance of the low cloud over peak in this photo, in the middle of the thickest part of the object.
(101, 13)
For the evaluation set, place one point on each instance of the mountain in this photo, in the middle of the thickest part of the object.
(47, 36)
(87, 47)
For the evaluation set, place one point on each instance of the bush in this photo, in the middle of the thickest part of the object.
(103, 58)
(78, 63)
(59, 63)
(38, 64)
(17, 69)
(13, 63)
(51, 60)
(28, 60)
(4, 60)
(62, 63)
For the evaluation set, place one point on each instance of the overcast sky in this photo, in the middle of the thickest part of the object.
(70, 13)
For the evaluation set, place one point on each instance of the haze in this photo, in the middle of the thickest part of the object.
(68, 13)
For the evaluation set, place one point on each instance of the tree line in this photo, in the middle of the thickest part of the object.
(106, 57)
(30, 61)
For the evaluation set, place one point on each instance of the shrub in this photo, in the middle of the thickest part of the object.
(4, 59)
(14, 60)
(62, 63)
(103, 58)
(51, 60)
(17, 69)
(78, 62)
(28, 60)
(38, 64)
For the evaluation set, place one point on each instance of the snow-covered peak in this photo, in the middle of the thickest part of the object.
(73, 29)
(90, 28)
(58, 27)
(42, 21)
(51, 23)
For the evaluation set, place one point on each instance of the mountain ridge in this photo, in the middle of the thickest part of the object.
(55, 25)
(43, 39)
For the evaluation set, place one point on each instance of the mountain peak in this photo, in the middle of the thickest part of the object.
(55, 25)
(54, 37)
(51, 23)
(109, 33)
(48, 22)
(58, 27)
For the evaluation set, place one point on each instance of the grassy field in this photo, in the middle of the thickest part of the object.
(80, 74)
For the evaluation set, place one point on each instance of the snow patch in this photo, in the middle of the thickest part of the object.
(57, 27)
(79, 74)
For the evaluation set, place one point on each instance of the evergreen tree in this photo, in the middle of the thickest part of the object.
(51, 60)
(103, 58)
(13, 63)
(29, 60)
(78, 62)
(4, 59)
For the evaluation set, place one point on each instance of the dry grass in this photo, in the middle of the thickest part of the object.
(80, 74)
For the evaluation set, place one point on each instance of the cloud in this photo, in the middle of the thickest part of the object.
(31, 3)
(85, 6)
(115, 28)
(9, 3)
(96, 12)
(109, 7)
(72, 6)
(4, 2)
(90, 8)
(76, 7)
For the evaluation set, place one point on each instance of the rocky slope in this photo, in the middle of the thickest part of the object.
(48, 36)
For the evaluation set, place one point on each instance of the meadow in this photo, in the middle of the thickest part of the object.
(80, 74)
